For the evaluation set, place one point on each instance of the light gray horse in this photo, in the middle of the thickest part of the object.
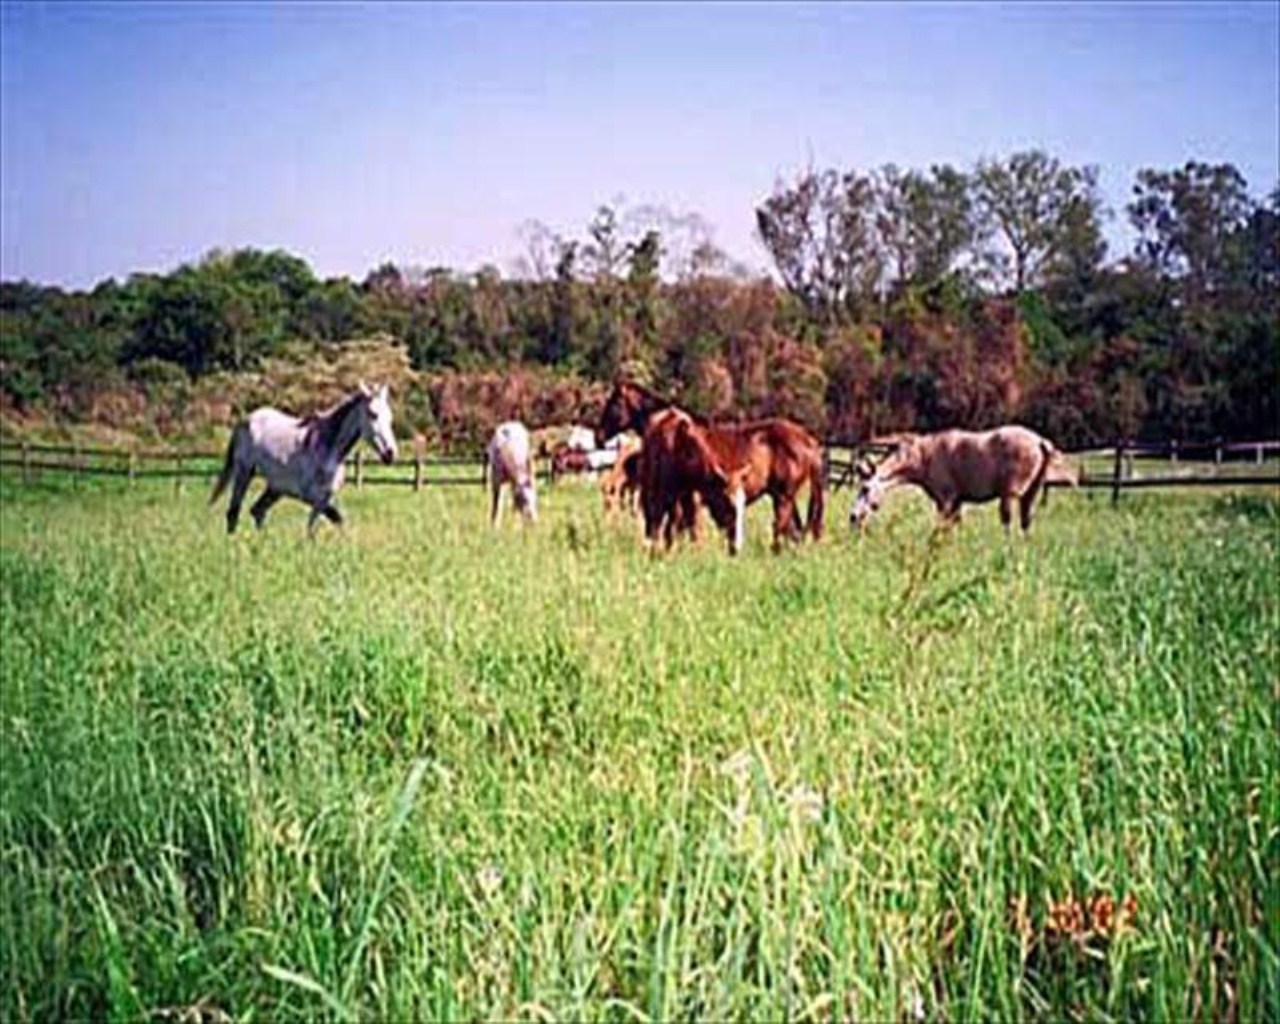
(510, 460)
(302, 458)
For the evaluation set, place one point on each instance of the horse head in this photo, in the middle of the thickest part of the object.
(876, 478)
(375, 423)
(628, 408)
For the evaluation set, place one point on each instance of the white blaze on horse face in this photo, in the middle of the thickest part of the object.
(869, 497)
(378, 425)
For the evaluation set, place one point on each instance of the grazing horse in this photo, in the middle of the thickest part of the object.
(302, 458)
(956, 467)
(677, 469)
(775, 457)
(565, 459)
(510, 461)
(728, 467)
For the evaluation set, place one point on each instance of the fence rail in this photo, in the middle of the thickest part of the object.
(842, 457)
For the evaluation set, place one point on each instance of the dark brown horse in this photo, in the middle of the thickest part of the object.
(568, 460)
(678, 469)
(629, 407)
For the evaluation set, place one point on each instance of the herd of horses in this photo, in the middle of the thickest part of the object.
(672, 463)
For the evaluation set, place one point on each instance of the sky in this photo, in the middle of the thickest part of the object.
(136, 137)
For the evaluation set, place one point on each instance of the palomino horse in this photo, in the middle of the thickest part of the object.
(956, 467)
(510, 461)
(302, 458)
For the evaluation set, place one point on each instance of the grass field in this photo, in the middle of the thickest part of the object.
(422, 771)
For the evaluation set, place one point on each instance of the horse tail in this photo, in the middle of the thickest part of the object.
(1054, 468)
(228, 464)
(817, 500)
(1039, 481)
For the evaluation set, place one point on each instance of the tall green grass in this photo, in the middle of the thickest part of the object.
(422, 770)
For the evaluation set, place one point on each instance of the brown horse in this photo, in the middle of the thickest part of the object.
(727, 468)
(568, 460)
(678, 468)
(620, 485)
(629, 407)
(776, 456)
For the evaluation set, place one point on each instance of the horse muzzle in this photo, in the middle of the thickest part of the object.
(387, 455)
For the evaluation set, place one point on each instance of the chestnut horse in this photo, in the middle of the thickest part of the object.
(773, 456)
(776, 457)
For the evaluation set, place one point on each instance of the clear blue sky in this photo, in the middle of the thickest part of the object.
(136, 137)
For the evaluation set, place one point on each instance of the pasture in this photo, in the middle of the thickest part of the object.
(423, 771)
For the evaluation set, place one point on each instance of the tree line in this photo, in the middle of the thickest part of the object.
(904, 299)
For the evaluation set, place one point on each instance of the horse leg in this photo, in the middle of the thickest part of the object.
(1006, 511)
(495, 505)
(313, 521)
(785, 520)
(263, 505)
(689, 517)
(238, 489)
(673, 520)
(1025, 505)
(948, 513)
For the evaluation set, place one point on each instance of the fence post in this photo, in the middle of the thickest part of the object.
(1217, 451)
(1115, 479)
(359, 467)
(1257, 455)
(417, 470)
(133, 466)
(177, 476)
(1173, 450)
(77, 463)
(26, 462)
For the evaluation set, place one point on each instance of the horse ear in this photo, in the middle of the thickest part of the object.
(865, 469)
(384, 391)
(364, 389)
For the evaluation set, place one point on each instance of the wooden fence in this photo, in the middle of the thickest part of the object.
(1116, 468)
(134, 464)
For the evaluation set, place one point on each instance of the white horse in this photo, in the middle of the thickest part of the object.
(302, 458)
(510, 461)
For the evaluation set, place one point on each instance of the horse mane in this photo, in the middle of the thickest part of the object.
(323, 427)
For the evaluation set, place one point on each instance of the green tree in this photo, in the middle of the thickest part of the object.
(1186, 219)
(821, 235)
(926, 222)
(1038, 208)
